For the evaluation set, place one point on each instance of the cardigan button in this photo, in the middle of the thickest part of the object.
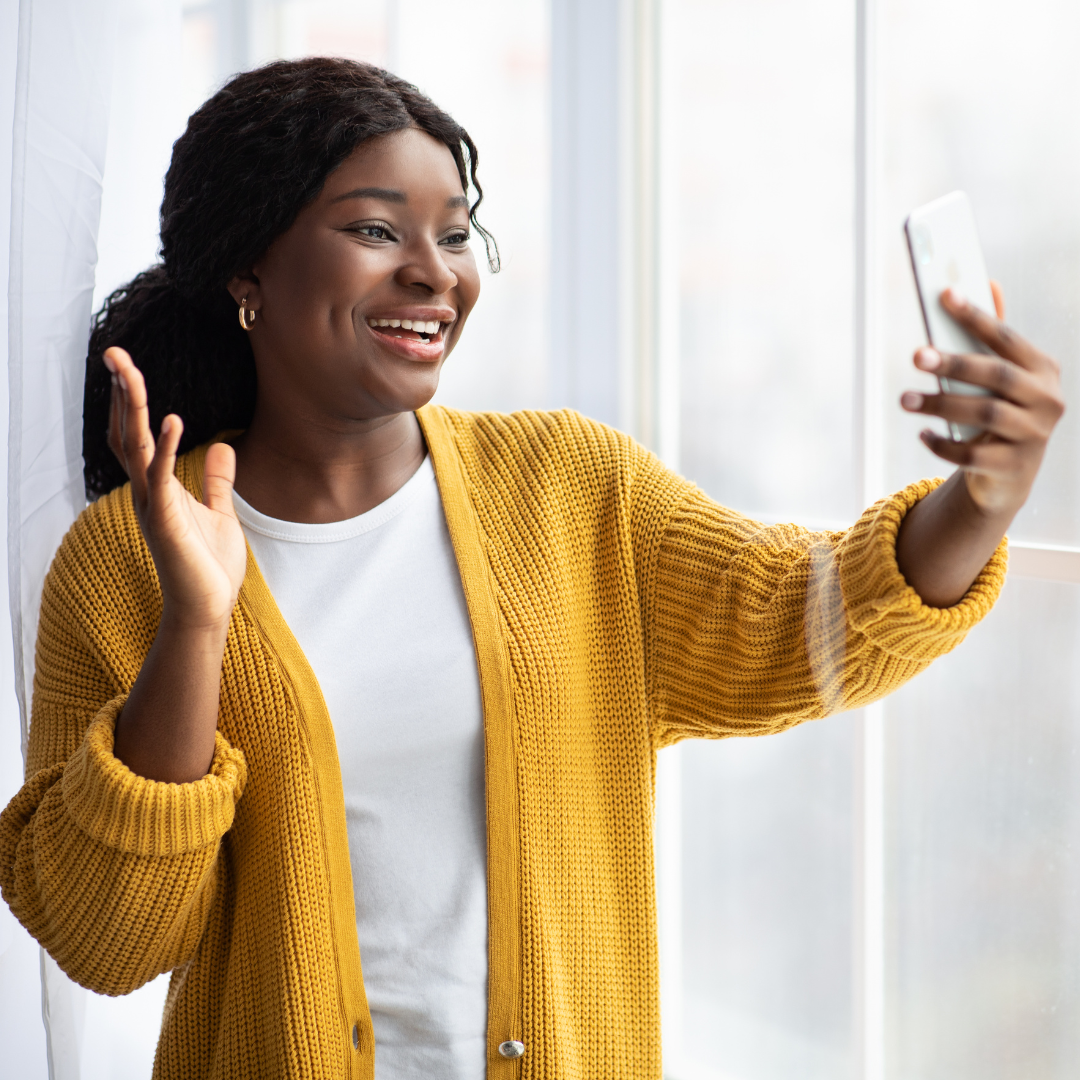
(512, 1049)
(356, 1036)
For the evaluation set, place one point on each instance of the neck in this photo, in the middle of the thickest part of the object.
(299, 468)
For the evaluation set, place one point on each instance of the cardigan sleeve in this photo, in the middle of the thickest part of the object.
(750, 629)
(112, 873)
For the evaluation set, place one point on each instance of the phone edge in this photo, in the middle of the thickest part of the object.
(954, 434)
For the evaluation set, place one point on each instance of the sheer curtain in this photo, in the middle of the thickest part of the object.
(90, 86)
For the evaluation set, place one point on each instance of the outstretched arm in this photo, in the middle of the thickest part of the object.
(947, 537)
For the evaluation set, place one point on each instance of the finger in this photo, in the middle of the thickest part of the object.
(116, 408)
(999, 299)
(219, 474)
(989, 458)
(998, 417)
(135, 438)
(163, 462)
(993, 332)
(1004, 378)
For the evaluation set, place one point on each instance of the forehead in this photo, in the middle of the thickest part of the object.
(409, 161)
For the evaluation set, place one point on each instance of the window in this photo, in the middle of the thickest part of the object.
(892, 894)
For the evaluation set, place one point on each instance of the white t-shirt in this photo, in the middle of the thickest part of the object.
(377, 606)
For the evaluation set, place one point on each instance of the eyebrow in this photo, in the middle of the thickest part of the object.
(385, 194)
(391, 195)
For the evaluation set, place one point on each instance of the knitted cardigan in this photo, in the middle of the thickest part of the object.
(615, 610)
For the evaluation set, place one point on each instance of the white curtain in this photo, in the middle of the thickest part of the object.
(92, 89)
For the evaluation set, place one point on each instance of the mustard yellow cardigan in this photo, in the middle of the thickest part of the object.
(615, 610)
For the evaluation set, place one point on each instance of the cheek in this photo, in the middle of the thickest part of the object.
(469, 284)
(322, 277)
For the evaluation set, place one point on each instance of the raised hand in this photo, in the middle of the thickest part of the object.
(198, 548)
(166, 728)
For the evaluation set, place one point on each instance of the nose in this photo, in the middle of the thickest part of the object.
(426, 269)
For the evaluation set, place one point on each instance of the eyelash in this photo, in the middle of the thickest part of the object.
(455, 239)
(364, 230)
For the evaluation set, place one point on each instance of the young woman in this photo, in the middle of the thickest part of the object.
(354, 676)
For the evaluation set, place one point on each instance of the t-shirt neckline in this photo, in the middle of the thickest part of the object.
(302, 532)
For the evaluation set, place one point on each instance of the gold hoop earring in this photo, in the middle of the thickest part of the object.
(244, 313)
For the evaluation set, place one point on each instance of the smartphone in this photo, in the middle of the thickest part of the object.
(945, 253)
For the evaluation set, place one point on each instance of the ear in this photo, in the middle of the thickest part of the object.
(246, 285)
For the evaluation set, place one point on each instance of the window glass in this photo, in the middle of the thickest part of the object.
(767, 913)
(766, 97)
(983, 873)
(980, 95)
(766, 100)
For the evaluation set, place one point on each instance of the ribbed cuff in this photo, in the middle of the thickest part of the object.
(883, 606)
(121, 810)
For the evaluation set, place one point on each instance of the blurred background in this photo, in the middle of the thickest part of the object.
(699, 206)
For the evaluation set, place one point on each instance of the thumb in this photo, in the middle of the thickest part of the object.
(219, 472)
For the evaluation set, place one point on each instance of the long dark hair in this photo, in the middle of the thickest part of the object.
(251, 158)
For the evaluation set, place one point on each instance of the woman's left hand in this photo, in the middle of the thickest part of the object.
(946, 538)
(1000, 465)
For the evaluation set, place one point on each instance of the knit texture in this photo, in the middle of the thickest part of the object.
(615, 610)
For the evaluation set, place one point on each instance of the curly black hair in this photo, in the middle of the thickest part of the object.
(251, 158)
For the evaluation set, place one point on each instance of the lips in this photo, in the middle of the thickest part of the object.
(414, 335)
(413, 332)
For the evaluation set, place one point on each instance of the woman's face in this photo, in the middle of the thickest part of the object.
(382, 247)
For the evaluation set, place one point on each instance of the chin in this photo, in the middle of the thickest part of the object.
(409, 395)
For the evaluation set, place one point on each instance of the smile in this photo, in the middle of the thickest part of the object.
(419, 334)
(410, 329)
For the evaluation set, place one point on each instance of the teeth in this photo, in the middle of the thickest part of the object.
(418, 325)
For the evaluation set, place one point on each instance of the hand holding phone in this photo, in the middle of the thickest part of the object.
(993, 381)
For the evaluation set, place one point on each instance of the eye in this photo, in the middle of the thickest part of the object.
(373, 232)
(457, 239)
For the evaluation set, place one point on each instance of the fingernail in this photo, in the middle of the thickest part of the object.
(928, 359)
(911, 400)
(955, 298)
(165, 425)
(109, 364)
(926, 435)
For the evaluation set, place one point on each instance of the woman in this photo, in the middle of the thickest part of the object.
(356, 676)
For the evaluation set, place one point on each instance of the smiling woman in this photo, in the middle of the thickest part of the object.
(328, 672)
